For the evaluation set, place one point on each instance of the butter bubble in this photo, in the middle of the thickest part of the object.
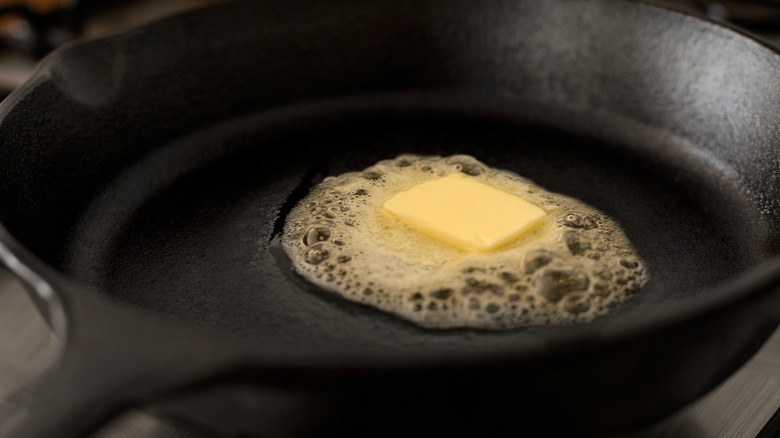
(575, 266)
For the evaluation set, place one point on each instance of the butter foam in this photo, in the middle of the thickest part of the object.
(572, 267)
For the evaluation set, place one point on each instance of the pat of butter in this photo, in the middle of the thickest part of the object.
(465, 213)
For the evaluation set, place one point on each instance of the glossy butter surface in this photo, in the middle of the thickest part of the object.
(464, 213)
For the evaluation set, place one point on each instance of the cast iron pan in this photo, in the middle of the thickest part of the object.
(144, 180)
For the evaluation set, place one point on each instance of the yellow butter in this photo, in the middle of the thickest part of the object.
(465, 213)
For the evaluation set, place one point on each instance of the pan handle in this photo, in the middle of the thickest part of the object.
(111, 358)
(41, 293)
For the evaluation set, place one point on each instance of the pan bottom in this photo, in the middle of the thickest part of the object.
(198, 242)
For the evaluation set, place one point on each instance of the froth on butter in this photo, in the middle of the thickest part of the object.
(574, 265)
(464, 213)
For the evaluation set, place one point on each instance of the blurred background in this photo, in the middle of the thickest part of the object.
(745, 406)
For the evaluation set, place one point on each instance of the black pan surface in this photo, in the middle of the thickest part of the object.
(146, 177)
(203, 249)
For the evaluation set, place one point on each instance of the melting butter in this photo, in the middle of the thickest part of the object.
(461, 211)
(567, 263)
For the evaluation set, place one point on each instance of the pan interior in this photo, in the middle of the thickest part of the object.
(668, 135)
(201, 246)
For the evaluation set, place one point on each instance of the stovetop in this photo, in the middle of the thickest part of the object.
(747, 405)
